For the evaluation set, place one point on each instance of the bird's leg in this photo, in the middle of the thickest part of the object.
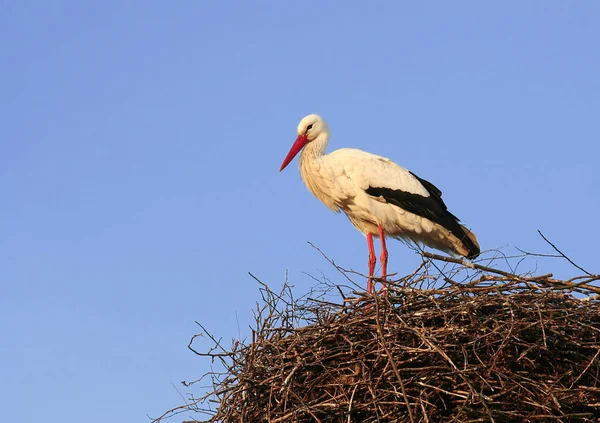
(384, 259)
(372, 261)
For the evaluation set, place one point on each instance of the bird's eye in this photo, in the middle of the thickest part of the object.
(309, 127)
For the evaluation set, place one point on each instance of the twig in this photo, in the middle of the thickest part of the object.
(562, 254)
(480, 267)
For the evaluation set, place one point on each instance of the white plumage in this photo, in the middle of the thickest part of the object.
(379, 197)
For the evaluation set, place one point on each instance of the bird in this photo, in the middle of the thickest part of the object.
(379, 197)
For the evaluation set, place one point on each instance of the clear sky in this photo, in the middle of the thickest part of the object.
(140, 143)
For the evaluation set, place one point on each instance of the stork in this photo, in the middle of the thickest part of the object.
(379, 197)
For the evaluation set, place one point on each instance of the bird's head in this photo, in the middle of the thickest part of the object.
(309, 129)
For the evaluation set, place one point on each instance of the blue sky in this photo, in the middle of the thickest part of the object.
(141, 142)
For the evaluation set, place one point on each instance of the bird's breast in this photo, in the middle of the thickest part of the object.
(321, 179)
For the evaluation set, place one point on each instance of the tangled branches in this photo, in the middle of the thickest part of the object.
(495, 347)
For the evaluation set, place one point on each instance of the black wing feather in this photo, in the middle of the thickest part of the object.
(432, 207)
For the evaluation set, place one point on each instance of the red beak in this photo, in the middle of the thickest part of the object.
(301, 141)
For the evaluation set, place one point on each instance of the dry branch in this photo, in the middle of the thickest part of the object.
(490, 346)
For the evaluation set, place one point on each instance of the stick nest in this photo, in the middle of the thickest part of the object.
(494, 347)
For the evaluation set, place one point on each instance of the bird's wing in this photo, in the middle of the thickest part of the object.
(368, 170)
(388, 182)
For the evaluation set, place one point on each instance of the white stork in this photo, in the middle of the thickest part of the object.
(379, 197)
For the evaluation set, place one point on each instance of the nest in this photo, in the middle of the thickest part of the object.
(495, 347)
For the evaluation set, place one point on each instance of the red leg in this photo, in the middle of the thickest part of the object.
(384, 259)
(372, 261)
